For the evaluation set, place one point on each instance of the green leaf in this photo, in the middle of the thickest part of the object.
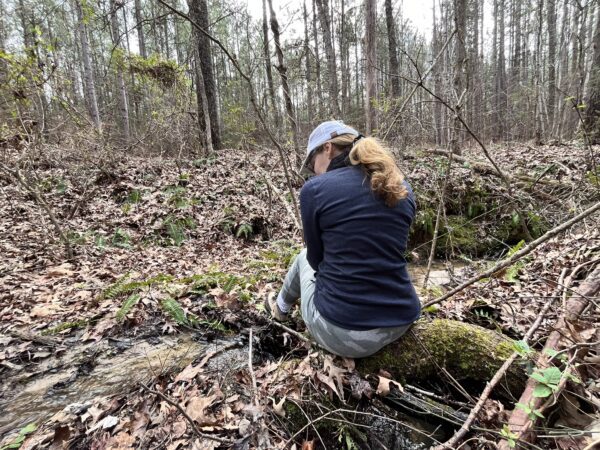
(523, 407)
(542, 391)
(29, 428)
(522, 348)
(552, 375)
(537, 376)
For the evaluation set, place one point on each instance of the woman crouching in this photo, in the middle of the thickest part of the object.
(356, 294)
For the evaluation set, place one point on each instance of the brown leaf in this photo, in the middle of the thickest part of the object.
(383, 388)
(122, 440)
(195, 408)
(308, 445)
(278, 407)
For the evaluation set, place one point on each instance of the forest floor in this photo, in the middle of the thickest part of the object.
(160, 309)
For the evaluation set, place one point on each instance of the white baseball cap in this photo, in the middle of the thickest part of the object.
(324, 133)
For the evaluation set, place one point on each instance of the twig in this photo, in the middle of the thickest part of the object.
(279, 194)
(451, 443)
(16, 174)
(251, 369)
(292, 332)
(518, 255)
(422, 78)
(519, 422)
(187, 417)
(437, 221)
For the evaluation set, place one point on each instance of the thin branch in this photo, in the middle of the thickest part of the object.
(422, 78)
(197, 432)
(451, 443)
(518, 255)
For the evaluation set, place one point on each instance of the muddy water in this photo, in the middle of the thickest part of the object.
(82, 372)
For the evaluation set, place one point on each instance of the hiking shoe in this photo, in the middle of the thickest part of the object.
(272, 308)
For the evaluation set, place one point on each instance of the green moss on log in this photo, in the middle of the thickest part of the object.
(466, 351)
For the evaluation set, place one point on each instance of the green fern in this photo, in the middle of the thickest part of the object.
(127, 306)
(174, 310)
(115, 289)
(244, 230)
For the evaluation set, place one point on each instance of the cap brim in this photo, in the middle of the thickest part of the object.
(305, 169)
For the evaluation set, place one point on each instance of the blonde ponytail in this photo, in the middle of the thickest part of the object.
(386, 178)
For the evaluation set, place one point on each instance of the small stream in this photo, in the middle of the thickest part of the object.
(82, 372)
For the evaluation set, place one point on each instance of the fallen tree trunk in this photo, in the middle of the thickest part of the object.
(465, 351)
(519, 422)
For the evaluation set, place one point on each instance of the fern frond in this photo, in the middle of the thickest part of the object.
(127, 306)
(174, 310)
(115, 289)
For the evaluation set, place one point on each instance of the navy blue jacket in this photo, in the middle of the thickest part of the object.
(356, 244)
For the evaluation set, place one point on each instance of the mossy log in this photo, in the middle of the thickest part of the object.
(468, 352)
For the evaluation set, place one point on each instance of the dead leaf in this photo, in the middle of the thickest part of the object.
(178, 429)
(120, 441)
(383, 388)
(278, 407)
(308, 445)
(195, 408)
(204, 444)
(189, 373)
(60, 271)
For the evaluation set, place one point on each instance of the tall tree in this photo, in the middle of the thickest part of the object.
(459, 82)
(122, 88)
(139, 18)
(317, 60)
(371, 62)
(332, 78)
(269, 72)
(392, 49)
(592, 111)
(199, 14)
(551, 21)
(307, 56)
(88, 73)
(282, 69)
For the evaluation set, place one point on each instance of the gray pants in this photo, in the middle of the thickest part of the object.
(300, 283)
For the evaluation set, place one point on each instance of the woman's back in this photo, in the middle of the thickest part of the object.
(357, 244)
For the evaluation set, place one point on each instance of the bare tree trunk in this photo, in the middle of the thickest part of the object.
(592, 112)
(538, 71)
(331, 64)
(309, 87)
(460, 86)
(284, 82)
(345, 70)
(269, 72)
(317, 60)
(501, 73)
(564, 71)
(88, 73)
(140, 28)
(202, 100)
(551, 20)
(122, 94)
(371, 61)
(495, 125)
(199, 13)
(437, 76)
(393, 48)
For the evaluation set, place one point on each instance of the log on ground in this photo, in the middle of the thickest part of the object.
(467, 352)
